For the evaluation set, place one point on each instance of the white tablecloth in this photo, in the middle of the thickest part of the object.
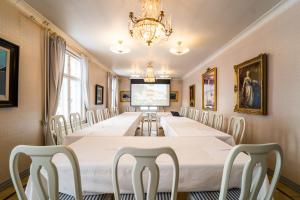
(201, 161)
(124, 124)
(182, 126)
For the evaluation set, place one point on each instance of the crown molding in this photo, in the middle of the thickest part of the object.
(42, 21)
(279, 8)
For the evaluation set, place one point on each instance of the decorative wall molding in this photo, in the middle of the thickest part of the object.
(38, 18)
(279, 8)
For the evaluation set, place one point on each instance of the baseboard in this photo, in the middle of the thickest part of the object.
(8, 183)
(294, 186)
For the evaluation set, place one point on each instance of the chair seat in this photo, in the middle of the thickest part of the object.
(63, 196)
(232, 194)
(159, 196)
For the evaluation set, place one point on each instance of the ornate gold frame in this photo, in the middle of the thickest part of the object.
(209, 71)
(174, 100)
(262, 60)
(193, 88)
(121, 99)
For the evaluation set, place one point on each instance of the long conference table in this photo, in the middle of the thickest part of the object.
(201, 161)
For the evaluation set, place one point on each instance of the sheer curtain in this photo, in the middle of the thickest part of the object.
(55, 49)
(112, 90)
(85, 82)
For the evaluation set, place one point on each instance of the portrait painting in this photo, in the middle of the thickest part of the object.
(99, 95)
(9, 70)
(209, 90)
(192, 96)
(251, 86)
(125, 96)
(174, 96)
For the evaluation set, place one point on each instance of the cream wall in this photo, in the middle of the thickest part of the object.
(176, 85)
(22, 125)
(97, 76)
(280, 39)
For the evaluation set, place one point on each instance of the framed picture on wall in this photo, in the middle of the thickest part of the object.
(125, 96)
(209, 89)
(9, 74)
(174, 96)
(251, 86)
(99, 95)
(192, 96)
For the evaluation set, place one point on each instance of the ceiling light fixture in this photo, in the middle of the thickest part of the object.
(152, 26)
(150, 77)
(119, 48)
(179, 49)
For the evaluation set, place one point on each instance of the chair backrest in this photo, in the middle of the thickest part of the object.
(90, 117)
(250, 186)
(191, 113)
(58, 129)
(204, 117)
(75, 121)
(145, 158)
(181, 111)
(41, 157)
(130, 109)
(197, 115)
(100, 115)
(217, 121)
(106, 113)
(236, 128)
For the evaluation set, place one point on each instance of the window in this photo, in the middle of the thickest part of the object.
(70, 99)
(114, 82)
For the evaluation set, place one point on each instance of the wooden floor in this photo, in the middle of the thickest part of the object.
(282, 193)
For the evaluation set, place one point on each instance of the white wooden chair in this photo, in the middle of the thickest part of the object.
(181, 111)
(236, 128)
(217, 121)
(185, 112)
(58, 129)
(106, 113)
(191, 113)
(250, 186)
(204, 117)
(145, 158)
(75, 122)
(100, 115)
(197, 115)
(41, 157)
(90, 117)
(130, 109)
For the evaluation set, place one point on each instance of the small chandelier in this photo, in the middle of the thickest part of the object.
(150, 77)
(152, 26)
(179, 49)
(119, 48)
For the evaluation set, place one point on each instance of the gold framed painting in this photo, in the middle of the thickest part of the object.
(125, 96)
(251, 86)
(209, 90)
(192, 96)
(174, 96)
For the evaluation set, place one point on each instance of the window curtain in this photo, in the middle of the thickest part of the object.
(115, 92)
(55, 49)
(85, 82)
(109, 90)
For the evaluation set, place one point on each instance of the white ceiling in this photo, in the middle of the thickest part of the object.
(203, 25)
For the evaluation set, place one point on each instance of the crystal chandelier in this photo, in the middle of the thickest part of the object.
(150, 77)
(151, 26)
(119, 48)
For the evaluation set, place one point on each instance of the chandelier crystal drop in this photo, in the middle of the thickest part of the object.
(150, 77)
(152, 26)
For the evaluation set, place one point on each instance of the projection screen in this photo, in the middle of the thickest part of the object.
(150, 94)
